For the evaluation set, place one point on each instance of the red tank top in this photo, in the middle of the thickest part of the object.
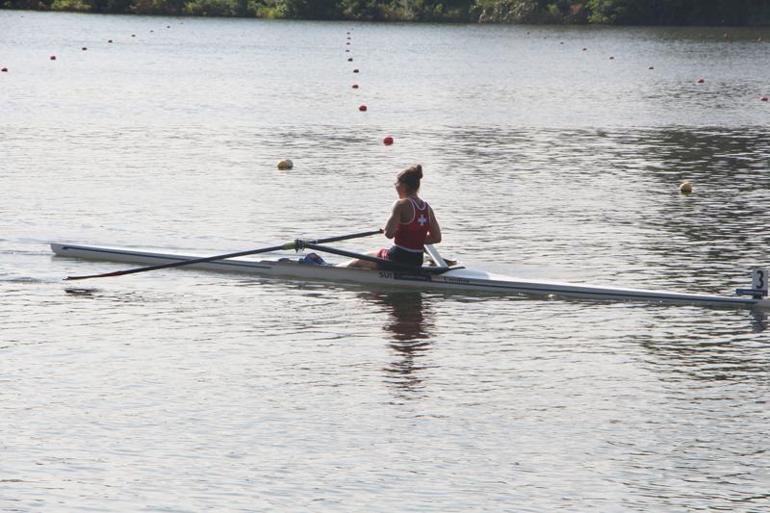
(411, 236)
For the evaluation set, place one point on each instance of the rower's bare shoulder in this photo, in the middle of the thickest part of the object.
(400, 204)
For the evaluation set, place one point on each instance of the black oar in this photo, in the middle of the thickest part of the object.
(387, 265)
(288, 246)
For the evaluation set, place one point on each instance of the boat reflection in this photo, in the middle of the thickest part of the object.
(409, 326)
(716, 352)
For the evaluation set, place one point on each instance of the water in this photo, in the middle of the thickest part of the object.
(188, 391)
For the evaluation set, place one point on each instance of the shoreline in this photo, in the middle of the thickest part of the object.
(234, 9)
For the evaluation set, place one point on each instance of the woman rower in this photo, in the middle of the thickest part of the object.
(412, 224)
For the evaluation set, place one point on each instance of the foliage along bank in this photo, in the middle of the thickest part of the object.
(621, 12)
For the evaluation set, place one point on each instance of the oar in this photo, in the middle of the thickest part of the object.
(387, 264)
(288, 246)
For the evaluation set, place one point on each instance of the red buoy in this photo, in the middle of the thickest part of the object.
(763, 99)
(387, 141)
(355, 86)
(701, 80)
(355, 70)
(4, 70)
(53, 57)
(362, 108)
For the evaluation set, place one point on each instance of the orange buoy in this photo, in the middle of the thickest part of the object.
(355, 86)
(362, 108)
(387, 141)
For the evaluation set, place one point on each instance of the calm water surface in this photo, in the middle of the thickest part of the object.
(186, 391)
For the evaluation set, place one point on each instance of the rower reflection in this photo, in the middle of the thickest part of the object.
(409, 325)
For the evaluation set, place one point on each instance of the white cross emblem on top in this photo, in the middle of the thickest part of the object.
(422, 220)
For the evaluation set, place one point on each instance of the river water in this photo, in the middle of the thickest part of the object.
(182, 391)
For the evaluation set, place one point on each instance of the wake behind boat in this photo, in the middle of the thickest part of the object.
(439, 277)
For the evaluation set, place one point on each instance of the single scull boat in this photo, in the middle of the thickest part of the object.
(441, 277)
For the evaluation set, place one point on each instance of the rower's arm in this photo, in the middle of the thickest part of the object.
(434, 230)
(393, 220)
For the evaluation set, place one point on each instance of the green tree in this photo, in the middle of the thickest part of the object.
(309, 9)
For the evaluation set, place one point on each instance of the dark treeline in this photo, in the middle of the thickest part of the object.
(621, 12)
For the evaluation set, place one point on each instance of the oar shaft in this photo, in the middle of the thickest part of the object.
(347, 237)
(180, 263)
(286, 246)
(387, 264)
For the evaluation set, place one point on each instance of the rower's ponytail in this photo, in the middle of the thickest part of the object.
(411, 177)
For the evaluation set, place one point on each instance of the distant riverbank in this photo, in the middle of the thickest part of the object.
(613, 12)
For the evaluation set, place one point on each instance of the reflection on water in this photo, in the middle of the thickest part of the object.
(717, 355)
(408, 325)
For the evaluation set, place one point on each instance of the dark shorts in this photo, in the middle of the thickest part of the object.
(400, 256)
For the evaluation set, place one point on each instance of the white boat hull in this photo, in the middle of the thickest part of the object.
(459, 279)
